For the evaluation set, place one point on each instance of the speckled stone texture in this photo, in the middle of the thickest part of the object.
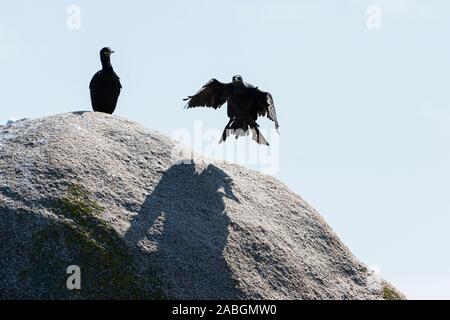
(108, 195)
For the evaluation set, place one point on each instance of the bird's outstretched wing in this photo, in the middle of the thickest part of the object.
(213, 95)
(266, 107)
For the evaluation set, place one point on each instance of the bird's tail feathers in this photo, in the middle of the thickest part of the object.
(241, 127)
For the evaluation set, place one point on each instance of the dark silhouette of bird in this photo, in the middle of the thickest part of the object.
(105, 85)
(245, 103)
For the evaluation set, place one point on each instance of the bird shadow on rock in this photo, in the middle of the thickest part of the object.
(181, 230)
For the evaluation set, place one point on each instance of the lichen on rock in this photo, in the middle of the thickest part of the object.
(109, 270)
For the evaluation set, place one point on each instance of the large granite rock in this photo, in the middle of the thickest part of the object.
(108, 195)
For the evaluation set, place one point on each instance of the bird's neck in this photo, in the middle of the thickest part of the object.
(106, 63)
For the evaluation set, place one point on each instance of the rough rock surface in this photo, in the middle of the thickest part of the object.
(106, 194)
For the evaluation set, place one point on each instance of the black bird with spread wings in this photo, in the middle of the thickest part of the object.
(245, 103)
(105, 85)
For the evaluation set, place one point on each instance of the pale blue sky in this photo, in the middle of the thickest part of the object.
(364, 114)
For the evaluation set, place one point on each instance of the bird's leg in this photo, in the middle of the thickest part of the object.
(225, 131)
(227, 127)
(257, 133)
(254, 127)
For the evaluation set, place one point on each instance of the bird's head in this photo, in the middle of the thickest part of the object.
(237, 80)
(106, 52)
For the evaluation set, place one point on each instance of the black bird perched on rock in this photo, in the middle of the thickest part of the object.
(105, 85)
(245, 103)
